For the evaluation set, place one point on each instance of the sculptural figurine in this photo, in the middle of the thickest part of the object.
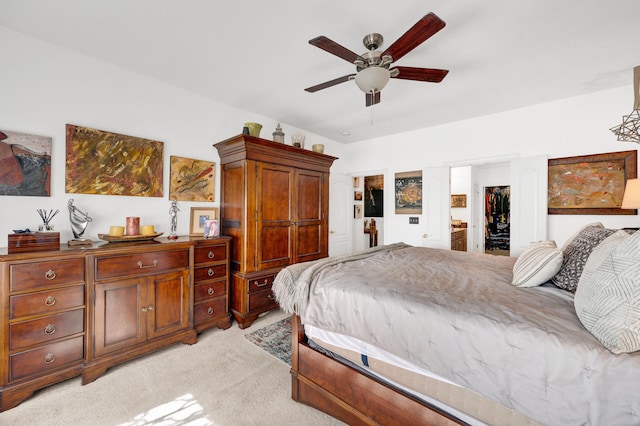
(173, 212)
(79, 221)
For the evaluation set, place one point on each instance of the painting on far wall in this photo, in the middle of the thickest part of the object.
(374, 196)
(25, 164)
(590, 184)
(409, 192)
(105, 163)
(191, 180)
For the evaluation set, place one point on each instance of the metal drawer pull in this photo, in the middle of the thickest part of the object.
(210, 311)
(50, 274)
(150, 307)
(50, 329)
(143, 309)
(266, 281)
(272, 297)
(211, 290)
(49, 358)
(147, 308)
(211, 254)
(50, 301)
(211, 272)
(142, 266)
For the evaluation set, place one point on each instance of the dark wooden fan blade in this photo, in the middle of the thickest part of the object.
(372, 99)
(329, 83)
(421, 74)
(422, 30)
(334, 48)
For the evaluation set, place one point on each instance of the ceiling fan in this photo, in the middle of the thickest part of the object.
(373, 68)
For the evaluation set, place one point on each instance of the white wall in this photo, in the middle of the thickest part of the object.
(569, 127)
(44, 87)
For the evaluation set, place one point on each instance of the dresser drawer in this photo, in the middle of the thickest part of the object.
(211, 253)
(34, 332)
(27, 276)
(44, 302)
(140, 263)
(209, 272)
(210, 309)
(262, 300)
(261, 283)
(46, 358)
(209, 290)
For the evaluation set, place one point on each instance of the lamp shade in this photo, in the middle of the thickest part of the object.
(631, 199)
(372, 79)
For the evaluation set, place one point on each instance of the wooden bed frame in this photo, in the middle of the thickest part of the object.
(351, 396)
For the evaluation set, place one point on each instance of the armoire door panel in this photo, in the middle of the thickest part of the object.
(310, 242)
(309, 201)
(275, 248)
(274, 196)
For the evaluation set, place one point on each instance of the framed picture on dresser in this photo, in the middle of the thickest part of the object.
(199, 218)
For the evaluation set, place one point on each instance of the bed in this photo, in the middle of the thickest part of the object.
(413, 335)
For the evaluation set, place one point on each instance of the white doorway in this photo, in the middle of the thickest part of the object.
(340, 214)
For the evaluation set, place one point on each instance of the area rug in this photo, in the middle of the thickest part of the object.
(275, 339)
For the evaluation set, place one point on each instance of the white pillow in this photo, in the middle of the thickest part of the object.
(607, 301)
(537, 264)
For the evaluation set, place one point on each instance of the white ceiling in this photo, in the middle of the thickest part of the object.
(254, 54)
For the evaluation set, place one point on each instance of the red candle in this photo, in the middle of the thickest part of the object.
(133, 226)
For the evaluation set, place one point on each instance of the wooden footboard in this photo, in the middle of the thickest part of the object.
(351, 396)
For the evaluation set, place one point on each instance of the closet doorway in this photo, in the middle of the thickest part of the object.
(497, 220)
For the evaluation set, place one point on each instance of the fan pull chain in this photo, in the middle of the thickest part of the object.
(372, 106)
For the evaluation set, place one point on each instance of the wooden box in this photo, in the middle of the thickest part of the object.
(34, 241)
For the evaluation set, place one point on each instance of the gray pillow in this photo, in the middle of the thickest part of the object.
(575, 255)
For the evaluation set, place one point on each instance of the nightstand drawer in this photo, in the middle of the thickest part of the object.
(208, 290)
(261, 283)
(27, 276)
(209, 309)
(209, 272)
(210, 254)
(140, 263)
(34, 332)
(45, 302)
(45, 358)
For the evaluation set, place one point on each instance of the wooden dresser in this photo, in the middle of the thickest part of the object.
(79, 311)
(275, 206)
(459, 239)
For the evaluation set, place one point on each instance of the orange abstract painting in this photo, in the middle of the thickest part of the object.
(106, 163)
(191, 180)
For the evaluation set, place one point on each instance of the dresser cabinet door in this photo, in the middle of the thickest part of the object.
(120, 315)
(167, 308)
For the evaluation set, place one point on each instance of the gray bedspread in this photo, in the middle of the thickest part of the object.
(457, 315)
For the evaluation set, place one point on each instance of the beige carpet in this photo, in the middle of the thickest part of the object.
(224, 379)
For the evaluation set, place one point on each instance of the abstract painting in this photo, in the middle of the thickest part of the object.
(590, 184)
(191, 180)
(409, 192)
(106, 163)
(25, 164)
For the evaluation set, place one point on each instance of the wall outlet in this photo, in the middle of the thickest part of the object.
(413, 220)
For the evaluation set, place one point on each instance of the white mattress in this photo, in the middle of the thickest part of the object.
(429, 387)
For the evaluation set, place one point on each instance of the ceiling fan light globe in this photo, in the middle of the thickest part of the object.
(372, 79)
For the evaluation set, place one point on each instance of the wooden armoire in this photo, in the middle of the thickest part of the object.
(275, 206)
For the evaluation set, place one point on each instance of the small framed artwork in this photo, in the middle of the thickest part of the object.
(356, 182)
(357, 195)
(357, 212)
(458, 200)
(199, 218)
(211, 229)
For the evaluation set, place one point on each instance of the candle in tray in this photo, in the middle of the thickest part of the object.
(133, 226)
(148, 230)
(116, 231)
